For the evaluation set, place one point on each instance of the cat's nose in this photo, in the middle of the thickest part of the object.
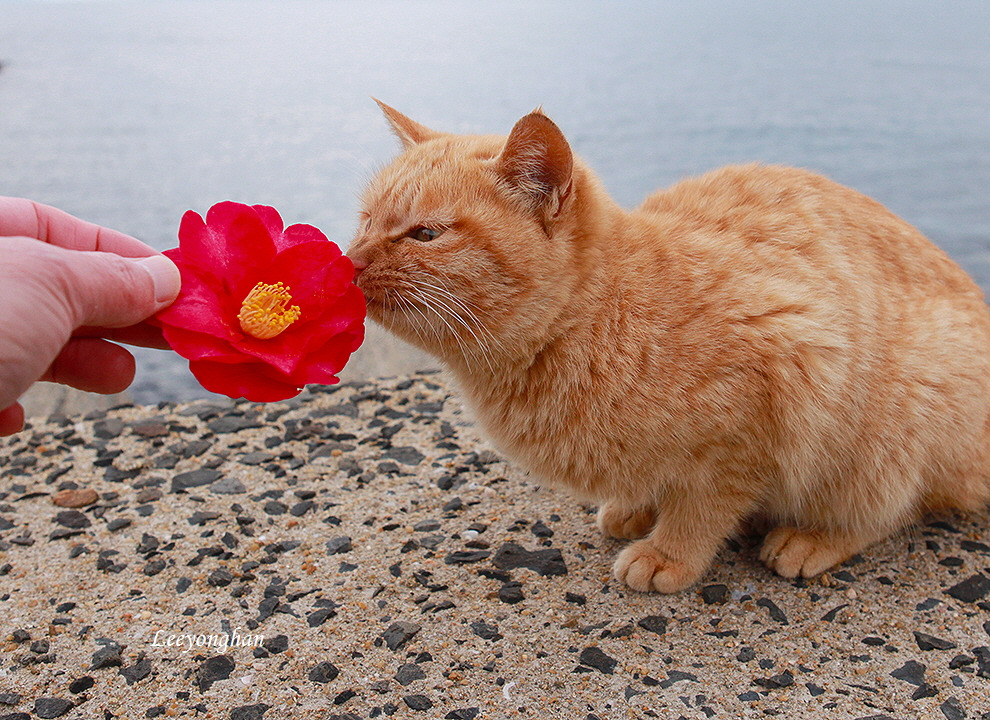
(359, 265)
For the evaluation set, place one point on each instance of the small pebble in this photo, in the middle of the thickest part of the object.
(249, 712)
(52, 707)
(75, 498)
(417, 702)
(399, 633)
(73, 519)
(598, 659)
(323, 672)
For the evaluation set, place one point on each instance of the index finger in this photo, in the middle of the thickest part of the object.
(27, 218)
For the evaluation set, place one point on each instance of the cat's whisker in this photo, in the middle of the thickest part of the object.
(443, 298)
(410, 289)
(479, 344)
(426, 323)
(440, 302)
(464, 306)
(409, 306)
(422, 279)
(437, 283)
(406, 306)
(432, 304)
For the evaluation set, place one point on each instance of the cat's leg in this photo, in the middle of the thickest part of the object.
(685, 539)
(791, 552)
(618, 520)
(842, 518)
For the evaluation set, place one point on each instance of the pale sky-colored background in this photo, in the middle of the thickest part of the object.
(130, 112)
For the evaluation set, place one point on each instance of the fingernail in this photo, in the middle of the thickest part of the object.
(165, 276)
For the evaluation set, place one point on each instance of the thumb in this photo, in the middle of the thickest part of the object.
(107, 290)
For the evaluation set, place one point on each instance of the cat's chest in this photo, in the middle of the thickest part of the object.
(572, 431)
(620, 410)
(546, 440)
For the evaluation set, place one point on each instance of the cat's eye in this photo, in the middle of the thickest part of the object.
(425, 234)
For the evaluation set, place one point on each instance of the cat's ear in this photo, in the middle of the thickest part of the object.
(537, 161)
(408, 131)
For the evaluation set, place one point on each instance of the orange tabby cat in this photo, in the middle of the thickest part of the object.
(756, 342)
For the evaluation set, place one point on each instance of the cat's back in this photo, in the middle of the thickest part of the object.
(760, 219)
(821, 288)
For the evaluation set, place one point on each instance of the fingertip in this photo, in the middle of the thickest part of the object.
(93, 365)
(165, 277)
(119, 371)
(11, 419)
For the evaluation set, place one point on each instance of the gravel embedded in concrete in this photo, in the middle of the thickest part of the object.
(360, 552)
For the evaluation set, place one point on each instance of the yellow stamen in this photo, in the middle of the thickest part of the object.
(265, 312)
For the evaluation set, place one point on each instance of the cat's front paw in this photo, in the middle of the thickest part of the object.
(618, 521)
(642, 567)
(791, 552)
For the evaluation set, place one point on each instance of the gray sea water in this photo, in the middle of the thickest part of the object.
(130, 112)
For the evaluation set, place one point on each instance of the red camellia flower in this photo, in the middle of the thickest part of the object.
(264, 309)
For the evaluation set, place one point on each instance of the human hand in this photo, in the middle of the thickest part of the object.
(66, 288)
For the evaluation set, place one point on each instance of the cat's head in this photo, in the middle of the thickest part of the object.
(464, 241)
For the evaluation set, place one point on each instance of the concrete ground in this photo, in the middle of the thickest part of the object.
(360, 552)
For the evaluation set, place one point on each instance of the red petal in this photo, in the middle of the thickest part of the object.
(317, 375)
(300, 233)
(323, 365)
(230, 246)
(255, 381)
(283, 352)
(198, 306)
(340, 275)
(271, 219)
(194, 345)
(314, 275)
(175, 254)
(344, 315)
(347, 310)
